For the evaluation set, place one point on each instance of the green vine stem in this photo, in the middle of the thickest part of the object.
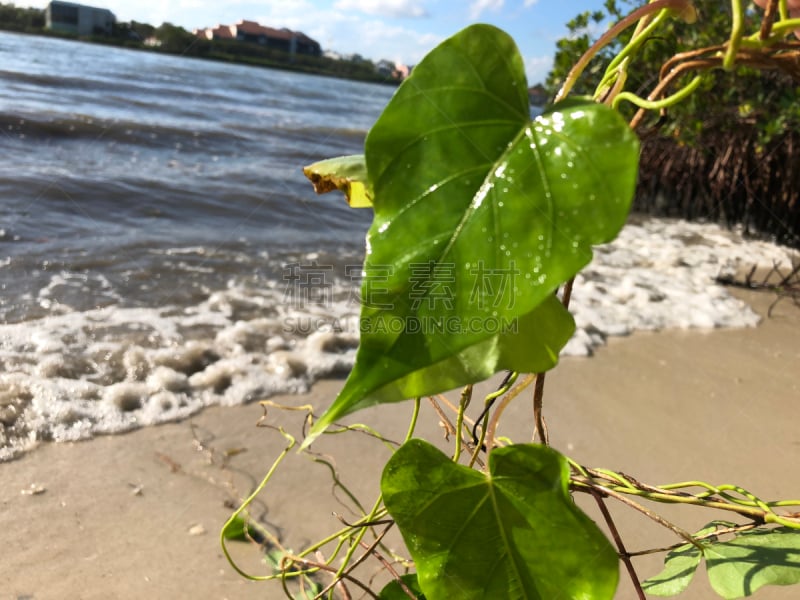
(717, 497)
(373, 514)
(737, 25)
(681, 6)
(484, 416)
(783, 27)
(466, 397)
(678, 96)
(617, 68)
(291, 443)
(492, 427)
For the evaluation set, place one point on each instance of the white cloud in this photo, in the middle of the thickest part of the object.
(529, 3)
(395, 42)
(349, 33)
(478, 6)
(384, 8)
(537, 68)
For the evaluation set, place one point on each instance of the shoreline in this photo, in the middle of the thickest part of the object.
(218, 57)
(138, 514)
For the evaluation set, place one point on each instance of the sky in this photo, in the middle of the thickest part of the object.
(398, 30)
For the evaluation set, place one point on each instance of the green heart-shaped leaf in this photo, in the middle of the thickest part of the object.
(680, 566)
(753, 559)
(736, 568)
(480, 214)
(513, 532)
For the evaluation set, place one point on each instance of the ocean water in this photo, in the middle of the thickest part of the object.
(152, 207)
(161, 251)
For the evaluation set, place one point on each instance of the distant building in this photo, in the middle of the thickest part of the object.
(78, 19)
(401, 71)
(538, 95)
(392, 70)
(293, 42)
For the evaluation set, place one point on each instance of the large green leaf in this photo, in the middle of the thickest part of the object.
(680, 566)
(753, 559)
(480, 214)
(511, 533)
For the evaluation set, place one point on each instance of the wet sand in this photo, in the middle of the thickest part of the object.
(138, 515)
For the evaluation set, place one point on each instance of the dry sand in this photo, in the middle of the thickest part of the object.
(138, 515)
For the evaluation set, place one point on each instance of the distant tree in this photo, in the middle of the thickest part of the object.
(175, 39)
(727, 151)
(13, 18)
(143, 30)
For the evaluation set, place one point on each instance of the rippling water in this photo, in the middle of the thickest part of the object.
(150, 207)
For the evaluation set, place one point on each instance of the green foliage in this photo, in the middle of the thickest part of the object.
(174, 39)
(680, 565)
(753, 559)
(727, 100)
(15, 18)
(513, 532)
(480, 214)
(736, 568)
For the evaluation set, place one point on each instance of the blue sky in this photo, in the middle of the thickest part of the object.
(398, 30)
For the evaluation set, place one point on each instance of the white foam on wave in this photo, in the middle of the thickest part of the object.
(70, 376)
(76, 374)
(662, 275)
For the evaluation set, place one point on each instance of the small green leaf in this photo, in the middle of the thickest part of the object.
(480, 214)
(753, 559)
(736, 568)
(680, 566)
(348, 174)
(236, 529)
(511, 533)
(393, 590)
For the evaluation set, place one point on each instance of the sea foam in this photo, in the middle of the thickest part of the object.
(75, 374)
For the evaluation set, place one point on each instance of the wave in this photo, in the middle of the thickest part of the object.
(78, 128)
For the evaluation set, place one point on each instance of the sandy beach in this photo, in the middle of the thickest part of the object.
(138, 515)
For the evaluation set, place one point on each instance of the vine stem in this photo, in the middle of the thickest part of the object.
(466, 396)
(243, 507)
(623, 553)
(351, 567)
(611, 34)
(700, 538)
(538, 389)
(736, 35)
(592, 486)
(538, 411)
(767, 20)
(501, 407)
